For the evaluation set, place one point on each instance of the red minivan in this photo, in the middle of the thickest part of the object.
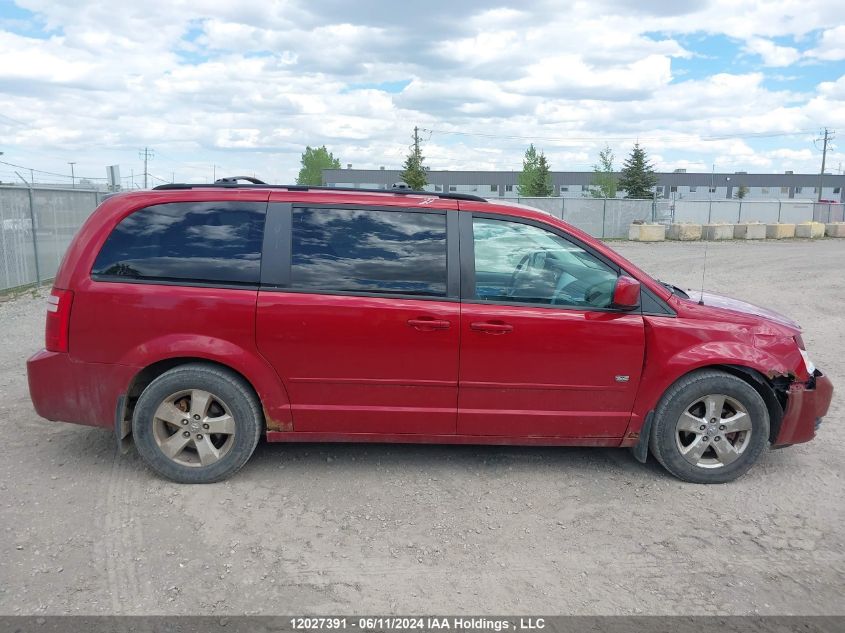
(195, 319)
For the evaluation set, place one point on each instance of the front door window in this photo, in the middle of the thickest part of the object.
(521, 263)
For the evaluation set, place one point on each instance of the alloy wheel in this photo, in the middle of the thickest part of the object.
(194, 428)
(713, 431)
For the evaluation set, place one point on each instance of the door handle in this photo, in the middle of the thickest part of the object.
(429, 323)
(492, 328)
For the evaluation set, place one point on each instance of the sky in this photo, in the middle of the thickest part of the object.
(240, 88)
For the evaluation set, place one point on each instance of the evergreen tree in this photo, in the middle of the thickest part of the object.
(314, 161)
(741, 192)
(535, 178)
(604, 180)
(413, 170)
(638, 177)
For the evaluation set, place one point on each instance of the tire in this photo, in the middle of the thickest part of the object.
(699, 441)
(197, 423)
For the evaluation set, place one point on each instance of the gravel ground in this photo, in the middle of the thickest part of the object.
(443, 529)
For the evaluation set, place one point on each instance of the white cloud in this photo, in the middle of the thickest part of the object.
(247, 86)
(771, 53)
(831, 45)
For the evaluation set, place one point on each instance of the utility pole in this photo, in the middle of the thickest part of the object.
(828, 136)
(72, 176)
(147, 154)
(416, 142)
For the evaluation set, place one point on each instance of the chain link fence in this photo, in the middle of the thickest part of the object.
(36, 225)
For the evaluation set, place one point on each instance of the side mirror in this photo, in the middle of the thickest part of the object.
(626, 293)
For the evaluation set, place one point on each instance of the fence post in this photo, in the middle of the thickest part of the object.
(710, 209)
(563, 208)
(739, 213)
(603, 216)
(34, 236)
(780, 204)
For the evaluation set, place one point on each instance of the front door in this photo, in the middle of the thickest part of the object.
(542, 352)
(364, 328)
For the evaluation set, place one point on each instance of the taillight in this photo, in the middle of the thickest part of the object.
(58, 320)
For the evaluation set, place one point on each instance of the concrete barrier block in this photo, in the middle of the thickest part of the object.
(717, 231)
(780, 231)
(809, 230)
(835, 229)
(684, 232)
(750, 231)
(647, 232)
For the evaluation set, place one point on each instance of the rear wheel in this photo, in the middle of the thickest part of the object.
(710, 427)
(197, 423)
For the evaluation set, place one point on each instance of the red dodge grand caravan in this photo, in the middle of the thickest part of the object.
(194, 319)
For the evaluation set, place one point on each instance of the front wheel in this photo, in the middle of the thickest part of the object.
(710, 427)
(196, 423)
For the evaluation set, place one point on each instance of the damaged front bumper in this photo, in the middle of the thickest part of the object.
(807, 403)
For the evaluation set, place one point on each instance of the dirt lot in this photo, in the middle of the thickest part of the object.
(363, 529)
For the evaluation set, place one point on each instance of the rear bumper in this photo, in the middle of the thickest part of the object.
(68, 391)
(807, 404)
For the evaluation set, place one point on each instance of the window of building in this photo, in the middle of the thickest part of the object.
(564, 188)
(673, 189)
(712, 189)
(351, 250)
(693, 189)
(784, 190)
(453, 188)
(837, 189)
(438, 187)
(799, 189)
(521, 263)
(494, 187)
(508, 187)
(764, 191)
(218, 242)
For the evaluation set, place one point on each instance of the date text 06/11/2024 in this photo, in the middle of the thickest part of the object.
(417, 623)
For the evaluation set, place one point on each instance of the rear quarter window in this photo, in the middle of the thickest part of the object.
(217, 242)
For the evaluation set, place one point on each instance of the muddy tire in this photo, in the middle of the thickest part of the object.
(710, 427)
(197, 423)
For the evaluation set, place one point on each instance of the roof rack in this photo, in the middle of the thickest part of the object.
(254, 183)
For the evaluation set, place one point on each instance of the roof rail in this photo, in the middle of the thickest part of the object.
(231, 183)
(233, 180)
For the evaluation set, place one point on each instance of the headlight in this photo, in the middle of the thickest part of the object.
(807, 362)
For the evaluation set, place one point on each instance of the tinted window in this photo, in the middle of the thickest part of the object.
(371, 251)
(517, 262)
(188, 241)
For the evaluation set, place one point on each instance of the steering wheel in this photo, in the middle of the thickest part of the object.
(523, 263)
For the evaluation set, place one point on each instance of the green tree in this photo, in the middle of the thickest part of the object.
(314, 161)
(741, 192)
(413, 170)
(535, 178)
(637, 177)
(604, 184)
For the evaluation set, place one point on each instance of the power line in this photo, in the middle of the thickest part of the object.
(50, 173)
(147, 154)
(828, 136)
